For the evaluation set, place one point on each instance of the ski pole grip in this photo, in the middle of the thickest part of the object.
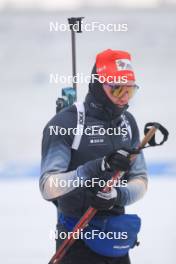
(75, 24)
(148, 136)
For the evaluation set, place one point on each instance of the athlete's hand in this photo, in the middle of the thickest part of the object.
(117, 160)
(104, 200)
(103, 169)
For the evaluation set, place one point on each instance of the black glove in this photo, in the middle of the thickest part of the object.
(102, 170)
(104, 200)
(117, 160)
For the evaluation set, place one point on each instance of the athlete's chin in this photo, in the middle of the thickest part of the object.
(120, 106)
(116, 102)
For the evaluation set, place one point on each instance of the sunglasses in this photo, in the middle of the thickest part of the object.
(120, 90)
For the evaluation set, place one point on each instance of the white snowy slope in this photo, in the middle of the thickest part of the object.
(73, 4)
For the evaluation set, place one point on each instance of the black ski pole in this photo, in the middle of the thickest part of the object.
(69, 94)
(75, 24)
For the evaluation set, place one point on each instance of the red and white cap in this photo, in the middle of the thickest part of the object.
(114, 65)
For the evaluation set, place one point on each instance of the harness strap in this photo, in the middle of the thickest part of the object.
(80, 125)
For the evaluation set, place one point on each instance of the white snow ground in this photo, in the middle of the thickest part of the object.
(26, 222)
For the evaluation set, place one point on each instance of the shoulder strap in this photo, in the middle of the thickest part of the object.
(80, 125)
(127, 124)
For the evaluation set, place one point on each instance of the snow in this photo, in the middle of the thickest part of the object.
(73, 4)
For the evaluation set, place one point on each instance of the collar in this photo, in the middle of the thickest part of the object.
(103, 110)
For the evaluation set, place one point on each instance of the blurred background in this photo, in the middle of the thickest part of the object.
(29, 53)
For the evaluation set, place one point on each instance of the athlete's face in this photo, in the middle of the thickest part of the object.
(120, 96)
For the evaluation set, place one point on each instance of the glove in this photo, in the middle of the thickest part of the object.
(104, 200)
(104, 169)
(117, 160)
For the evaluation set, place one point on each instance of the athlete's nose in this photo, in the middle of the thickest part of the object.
(125, 98)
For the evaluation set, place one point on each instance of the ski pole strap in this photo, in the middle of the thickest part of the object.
(163, 130)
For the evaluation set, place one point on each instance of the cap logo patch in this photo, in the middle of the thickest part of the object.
(123, 64)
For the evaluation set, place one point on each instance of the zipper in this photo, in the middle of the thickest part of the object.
(112, 125)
